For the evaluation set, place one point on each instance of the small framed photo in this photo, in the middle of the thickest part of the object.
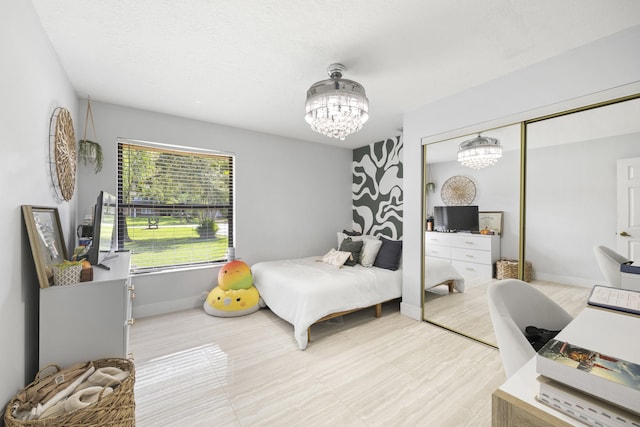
(46, 240)
(491, 221)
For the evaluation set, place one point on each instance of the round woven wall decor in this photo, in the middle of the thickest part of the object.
(458, 191)
(63, 155)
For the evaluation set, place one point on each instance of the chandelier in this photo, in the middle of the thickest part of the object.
(336, 107)
(479, 152)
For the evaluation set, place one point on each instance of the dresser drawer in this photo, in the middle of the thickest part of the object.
(474, 255)
(433, 238)
(437, 251)
(473, 269)
(471, 255)
(471, 241)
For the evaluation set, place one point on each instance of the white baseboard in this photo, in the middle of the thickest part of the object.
(575, 281)
(154, 309)
(411, 311)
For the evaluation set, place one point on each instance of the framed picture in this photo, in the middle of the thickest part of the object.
(46, 240)
(491, 220)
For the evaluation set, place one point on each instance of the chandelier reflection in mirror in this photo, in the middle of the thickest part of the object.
(479, 152)
(336, 107)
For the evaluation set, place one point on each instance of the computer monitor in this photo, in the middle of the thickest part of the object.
(456, 218)
(105, 234)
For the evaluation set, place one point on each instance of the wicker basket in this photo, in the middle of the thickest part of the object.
(508, 269)
(114, 409)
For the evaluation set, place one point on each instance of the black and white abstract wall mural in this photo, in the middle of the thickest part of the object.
(377, 188)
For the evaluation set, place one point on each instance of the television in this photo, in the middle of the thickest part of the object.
(105, 235)
(456, 218)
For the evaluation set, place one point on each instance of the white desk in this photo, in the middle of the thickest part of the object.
(609, 332)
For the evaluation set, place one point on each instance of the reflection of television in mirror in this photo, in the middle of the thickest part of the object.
(456, 218)
(105, 236)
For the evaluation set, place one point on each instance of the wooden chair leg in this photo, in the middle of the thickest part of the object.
(378, 310)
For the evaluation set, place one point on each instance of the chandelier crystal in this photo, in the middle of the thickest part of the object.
(336, 107)
(479, 152)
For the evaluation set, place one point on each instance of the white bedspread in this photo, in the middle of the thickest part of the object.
(302, 291)
(438, 271)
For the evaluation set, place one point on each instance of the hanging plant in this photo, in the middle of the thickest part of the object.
(90, 152)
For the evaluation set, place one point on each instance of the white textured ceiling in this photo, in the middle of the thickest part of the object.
(248, 64)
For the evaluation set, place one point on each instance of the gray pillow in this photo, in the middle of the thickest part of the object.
(354, 247)
(389, 254)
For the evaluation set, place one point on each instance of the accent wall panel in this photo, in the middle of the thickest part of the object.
(377, 188)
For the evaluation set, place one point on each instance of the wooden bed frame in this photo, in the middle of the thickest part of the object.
(377, 307)
(450, 284)
(378, 313)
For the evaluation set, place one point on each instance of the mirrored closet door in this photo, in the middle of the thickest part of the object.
(575, 166)
(573, 201)
(472, 218)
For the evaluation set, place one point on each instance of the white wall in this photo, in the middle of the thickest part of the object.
(32, 84)
(601, 70)
(292, 196)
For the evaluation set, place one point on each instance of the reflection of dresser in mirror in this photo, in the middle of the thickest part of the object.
(471, 254)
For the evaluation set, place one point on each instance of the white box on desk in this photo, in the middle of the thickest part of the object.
(583, 407)
(596, 372)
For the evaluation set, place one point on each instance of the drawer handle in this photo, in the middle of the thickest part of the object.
(131, 322)
(470, 256)
(471, 269)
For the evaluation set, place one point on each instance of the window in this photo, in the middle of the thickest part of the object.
(175, 205)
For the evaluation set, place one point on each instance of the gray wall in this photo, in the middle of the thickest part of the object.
(32, 84)
(601, 70)
(291, 196)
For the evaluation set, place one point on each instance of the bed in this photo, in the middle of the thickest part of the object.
(441, 272)
(304, 291)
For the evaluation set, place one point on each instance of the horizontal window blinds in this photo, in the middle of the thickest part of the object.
(175, 205)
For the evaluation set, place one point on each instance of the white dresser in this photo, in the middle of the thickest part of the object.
(87, 320)
(470, 254)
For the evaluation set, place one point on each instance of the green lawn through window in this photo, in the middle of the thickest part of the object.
(175, 241)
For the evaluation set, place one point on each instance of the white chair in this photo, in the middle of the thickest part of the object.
(609, 263)
(514, 305)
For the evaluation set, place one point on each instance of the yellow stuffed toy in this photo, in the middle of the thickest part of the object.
(235, 294)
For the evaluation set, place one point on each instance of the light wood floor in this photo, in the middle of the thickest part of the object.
(197, 370)
(468, 312)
